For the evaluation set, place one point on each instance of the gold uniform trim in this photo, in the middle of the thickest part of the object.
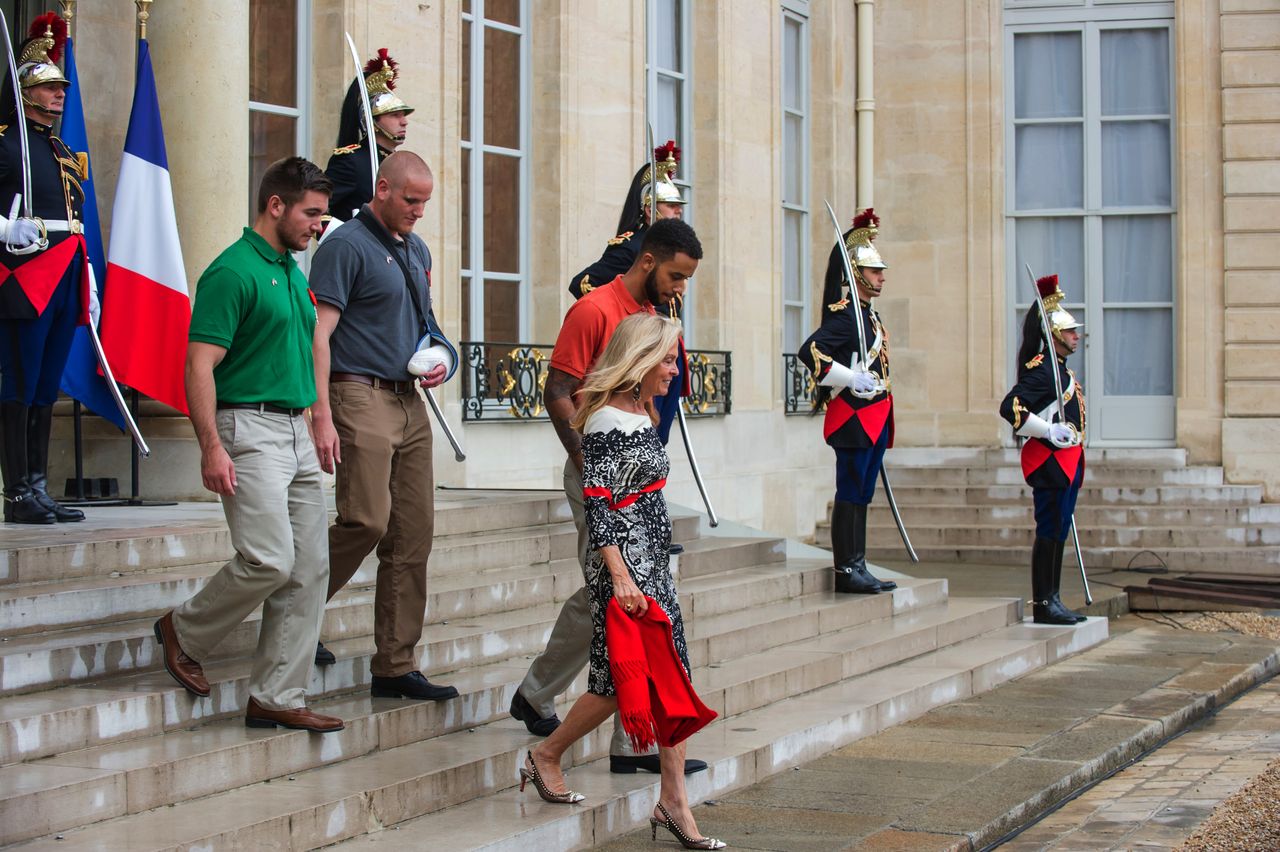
(1034, 362)
(621, 238)
(348, 149)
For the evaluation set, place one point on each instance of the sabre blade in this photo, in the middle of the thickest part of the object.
(853, 284)
(366, 112)
(20, 117)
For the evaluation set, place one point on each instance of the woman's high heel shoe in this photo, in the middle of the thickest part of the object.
(529, 772)
(685, 840)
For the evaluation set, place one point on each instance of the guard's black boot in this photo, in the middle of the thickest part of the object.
(849, 547)
(39, 422)
(1043, 610)
(20, 506)
(1057, 584)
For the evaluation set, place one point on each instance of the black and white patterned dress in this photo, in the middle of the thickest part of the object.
(621, 458)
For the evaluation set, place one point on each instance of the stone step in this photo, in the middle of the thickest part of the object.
(1009, 456)
(713, 555)
(1221, 560)
(1129, 476)
(1090, 495)
(140, 704)
(1137, 516)
(110, 541)
(883, 533)
(27, 608)
(758, 744)
(454, 757)
(98, 783)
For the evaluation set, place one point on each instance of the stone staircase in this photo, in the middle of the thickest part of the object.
(971, 505)
(100, 749)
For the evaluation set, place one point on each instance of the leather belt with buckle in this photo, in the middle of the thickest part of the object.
(373, 382)
(260, 407)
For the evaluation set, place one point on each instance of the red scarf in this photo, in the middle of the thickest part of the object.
(655, 698)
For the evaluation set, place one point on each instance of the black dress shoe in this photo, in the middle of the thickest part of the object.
(411, 685)
(629, 764)
(675, 549)
(324, 657)
(522, 710)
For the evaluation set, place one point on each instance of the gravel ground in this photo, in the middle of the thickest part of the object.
(1247, 821)
(1249, 623)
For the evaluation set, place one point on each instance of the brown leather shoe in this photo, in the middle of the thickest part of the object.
(185, 670)
(257, 716)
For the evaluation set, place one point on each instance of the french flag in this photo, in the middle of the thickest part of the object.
(145, 322)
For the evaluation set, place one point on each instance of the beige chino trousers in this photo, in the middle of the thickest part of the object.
(277, 521)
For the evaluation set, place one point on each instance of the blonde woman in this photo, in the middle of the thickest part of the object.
(624, 469)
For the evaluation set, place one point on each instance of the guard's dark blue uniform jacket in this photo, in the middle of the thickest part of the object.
(852, 422)
(1043, 464)
(352, 175)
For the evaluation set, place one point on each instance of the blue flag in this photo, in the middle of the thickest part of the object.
(80, 379)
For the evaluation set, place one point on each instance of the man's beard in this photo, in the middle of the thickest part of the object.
(651, 287)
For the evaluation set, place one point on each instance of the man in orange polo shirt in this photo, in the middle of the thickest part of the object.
(667, 260)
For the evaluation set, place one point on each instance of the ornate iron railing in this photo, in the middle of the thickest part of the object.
(504, 382)
(797, 386)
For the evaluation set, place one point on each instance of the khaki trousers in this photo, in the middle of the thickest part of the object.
(385, 497)
(569, 648)
(277, 520)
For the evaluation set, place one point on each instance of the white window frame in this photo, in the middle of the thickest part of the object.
(302, 112)
(797, 10)
(1089, 18)
(475, 272)
(684, 135)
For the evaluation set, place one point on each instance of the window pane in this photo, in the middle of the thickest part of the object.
(273, 52)
(501, 88)
(666, 121)
(1050, 166)
(793, 331)
(793, 159)
(1139, 347)
(466, 208)
(1135, 164)
(501, 213)
(271, 137)
(504, 11)
(1137, 258)
(792, 245)
(502, 311)
(668, 35)
(792, 72)
(466, 81)
(1048, 80)
(466, 308)
(1135, 72)
(1050, 246)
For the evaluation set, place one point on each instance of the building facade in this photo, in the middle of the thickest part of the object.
(1131, 147)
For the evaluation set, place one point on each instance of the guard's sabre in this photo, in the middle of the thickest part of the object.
(693, 464)
(653, 178)
(20, 117)
(367, 113)
(897, 518)
(853, 284)
(1047, 330)
(111, 380)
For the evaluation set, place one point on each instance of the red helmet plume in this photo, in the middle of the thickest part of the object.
(662, 152)
(1048, 285)
(375, 64)
(866, 219)
(50, 21)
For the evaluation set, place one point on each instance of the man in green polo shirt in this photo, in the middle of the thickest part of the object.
(250, 380)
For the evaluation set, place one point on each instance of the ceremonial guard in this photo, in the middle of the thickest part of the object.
(45, 290)
(1053, 450)
(857, 395)
(349, 167)
(621, 252)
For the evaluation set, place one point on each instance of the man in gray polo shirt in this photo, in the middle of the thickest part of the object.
(372, 280)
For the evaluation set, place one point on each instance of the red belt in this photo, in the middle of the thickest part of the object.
(625, 501)
(373, 382)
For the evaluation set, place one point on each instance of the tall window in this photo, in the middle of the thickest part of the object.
(795, 174)
(279, 94)
(495, 166)
(669, 96)
(1090, 195)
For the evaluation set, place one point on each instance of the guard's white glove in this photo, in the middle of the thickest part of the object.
(864, 385)
(95, 307)
(1061, 435)
(22, 233)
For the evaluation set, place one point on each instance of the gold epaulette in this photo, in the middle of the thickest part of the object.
(1035, 362)
(621, 238)
(585, 286)
(3, 128)
(838, 306)
(347, 150)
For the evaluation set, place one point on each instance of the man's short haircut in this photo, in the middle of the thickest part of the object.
(402, 166)
(290, 179)
(668, 237)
